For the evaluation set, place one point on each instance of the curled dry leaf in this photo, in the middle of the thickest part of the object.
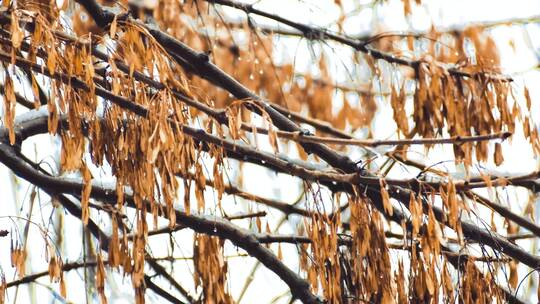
(55, 269)
(100, 279)
(17, 34)
(18, 259)
(416, 214)
(498, 154)
(9, 107)
(112, 30)
(114, 253)
(85, 195)
(386, 198)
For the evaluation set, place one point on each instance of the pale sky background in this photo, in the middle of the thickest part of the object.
(518, 158)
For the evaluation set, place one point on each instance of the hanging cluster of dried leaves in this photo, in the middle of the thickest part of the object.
(368, 257)
(323, 268)
(165, 94)
(211, 269)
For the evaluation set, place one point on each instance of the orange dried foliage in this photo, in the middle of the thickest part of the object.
(451, 203)
(9, 108)
(114, 253)
(63, 288)
(210, 269)
(46, 9)
(498, 156)
(447, 282)
(385, 197)
(219, 184)
(55, 269)
(477, 287)
(200, 185)
(100, 279)
(415, 208)
(369, 255)
(18, 259)
(324, 266)
(138, 256)
(85, 195)
(17, 33)
(431, 241)
(462, 107)
(399, 278)
(398, 107)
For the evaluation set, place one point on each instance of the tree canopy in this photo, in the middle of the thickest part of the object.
(221, 151)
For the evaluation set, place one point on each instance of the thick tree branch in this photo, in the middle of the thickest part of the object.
(456, 140)
(273, 30)
(313, 33)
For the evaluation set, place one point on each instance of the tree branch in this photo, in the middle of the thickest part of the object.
(313, 33)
